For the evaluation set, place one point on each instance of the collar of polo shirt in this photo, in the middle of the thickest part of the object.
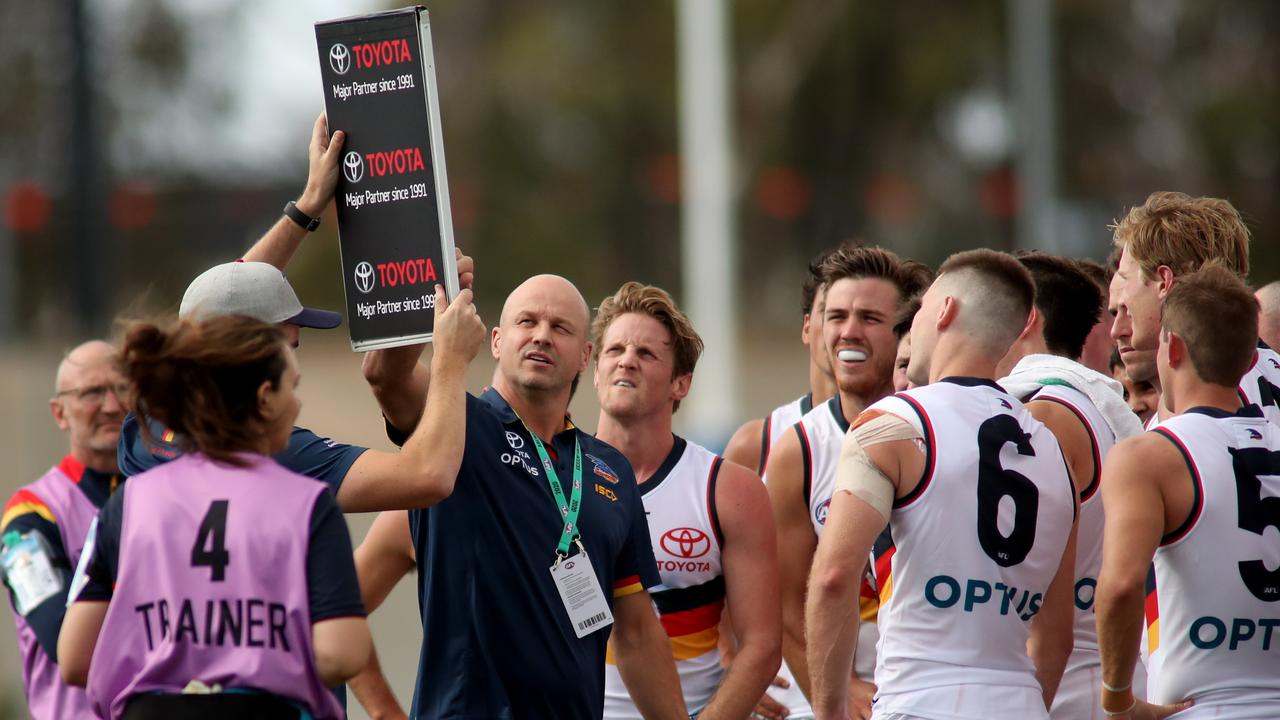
(508, 415)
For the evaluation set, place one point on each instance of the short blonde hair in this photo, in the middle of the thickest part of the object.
(1184, 233)
(657, 303)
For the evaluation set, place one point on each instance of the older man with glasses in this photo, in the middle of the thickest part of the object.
(43, 527)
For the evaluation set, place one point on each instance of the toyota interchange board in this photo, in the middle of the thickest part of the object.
(394, 224)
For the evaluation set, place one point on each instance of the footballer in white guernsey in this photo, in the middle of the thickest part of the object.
(866, 288)
(1168, 236)
(976, 612)
(709, 520)
(1086, 412)
(1198, 494)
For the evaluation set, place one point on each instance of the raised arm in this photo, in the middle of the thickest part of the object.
(280, 242)
(424, 470)
(750, 565)
(396, 376)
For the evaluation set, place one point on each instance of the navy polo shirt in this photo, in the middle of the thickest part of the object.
(496, 639)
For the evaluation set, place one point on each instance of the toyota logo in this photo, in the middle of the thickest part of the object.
(685, 542)
(364, 277)
(340, 59)
(353, 166)
(514, 440)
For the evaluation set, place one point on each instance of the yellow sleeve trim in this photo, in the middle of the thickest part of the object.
(25, 508)
(626, 590)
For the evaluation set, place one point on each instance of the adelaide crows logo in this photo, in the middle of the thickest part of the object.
(602, 469)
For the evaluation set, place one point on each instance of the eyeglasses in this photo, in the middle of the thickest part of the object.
(95, 394)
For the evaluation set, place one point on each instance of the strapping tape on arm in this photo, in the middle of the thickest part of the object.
(857, 473)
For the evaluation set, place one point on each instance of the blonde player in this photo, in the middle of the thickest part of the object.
(1161, 240)
(1199, 495)
(709, 520)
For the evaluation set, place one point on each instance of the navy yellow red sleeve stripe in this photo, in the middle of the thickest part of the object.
(24, 514)
(629, 585)
(25, 502)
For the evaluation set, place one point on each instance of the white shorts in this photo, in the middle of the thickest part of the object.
(1079, 694)
(1250, 711)
(962, 702)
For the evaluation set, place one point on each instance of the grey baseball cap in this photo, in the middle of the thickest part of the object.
(256, 289)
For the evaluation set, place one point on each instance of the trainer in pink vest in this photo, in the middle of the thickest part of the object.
(47, 696)
(212, 587)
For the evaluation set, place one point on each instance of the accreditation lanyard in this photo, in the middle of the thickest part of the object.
(568, 510)
(575, 579)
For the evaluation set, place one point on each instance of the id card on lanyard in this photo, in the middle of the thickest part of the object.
(575, 578)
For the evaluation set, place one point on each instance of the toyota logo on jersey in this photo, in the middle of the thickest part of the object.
(685, 542)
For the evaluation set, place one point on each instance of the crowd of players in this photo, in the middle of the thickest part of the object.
(1021, 486)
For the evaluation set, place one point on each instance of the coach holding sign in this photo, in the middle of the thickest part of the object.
(542, 553)
(393, 194)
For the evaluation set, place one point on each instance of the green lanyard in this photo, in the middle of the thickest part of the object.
(568, 510)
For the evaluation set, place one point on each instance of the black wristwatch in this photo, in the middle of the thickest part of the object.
(305, 221)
